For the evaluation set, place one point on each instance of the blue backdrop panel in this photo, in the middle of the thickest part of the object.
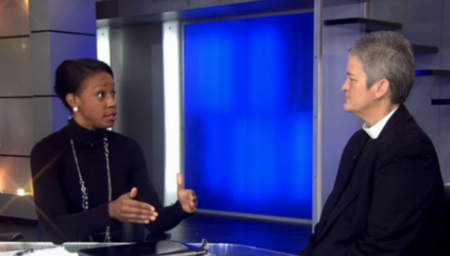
(248, 115)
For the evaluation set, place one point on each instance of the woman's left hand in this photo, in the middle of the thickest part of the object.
(186, 197)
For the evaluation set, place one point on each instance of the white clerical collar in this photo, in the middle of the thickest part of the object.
(376, 129)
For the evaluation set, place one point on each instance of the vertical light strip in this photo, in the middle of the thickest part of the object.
(366, 10)
(318, 101)
(172, 117)
(103, 45)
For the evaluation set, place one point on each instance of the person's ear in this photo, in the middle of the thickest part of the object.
(382, 88)
(72, 100)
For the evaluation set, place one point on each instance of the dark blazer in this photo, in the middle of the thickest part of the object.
(388, 199)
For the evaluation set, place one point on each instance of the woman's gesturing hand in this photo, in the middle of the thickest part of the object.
(126, 209)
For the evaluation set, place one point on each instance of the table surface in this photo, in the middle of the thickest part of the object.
(215, 249)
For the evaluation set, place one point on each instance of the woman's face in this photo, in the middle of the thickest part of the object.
(96, 103)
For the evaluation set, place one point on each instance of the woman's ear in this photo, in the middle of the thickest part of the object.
(71, 100)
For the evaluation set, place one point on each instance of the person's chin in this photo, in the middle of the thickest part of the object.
(347, 107)
(109, 122)
(105, 125)
(109, 125)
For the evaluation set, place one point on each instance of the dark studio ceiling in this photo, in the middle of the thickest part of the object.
(118, 13)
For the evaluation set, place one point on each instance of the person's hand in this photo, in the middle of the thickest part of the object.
(126, 209)
(186, 197)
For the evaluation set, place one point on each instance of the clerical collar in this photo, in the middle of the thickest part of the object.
(375, 130)
(84, 136)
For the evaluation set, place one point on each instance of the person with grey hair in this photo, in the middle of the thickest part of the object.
(388, 198)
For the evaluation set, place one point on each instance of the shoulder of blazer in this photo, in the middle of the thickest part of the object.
(401, 126)
(357, 136)
(402, 136)
(356, 141)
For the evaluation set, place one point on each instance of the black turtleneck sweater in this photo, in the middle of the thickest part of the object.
(57, 190)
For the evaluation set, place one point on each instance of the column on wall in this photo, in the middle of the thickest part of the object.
(59, 30)
(16, 137)
(337, 125)
(35, 37)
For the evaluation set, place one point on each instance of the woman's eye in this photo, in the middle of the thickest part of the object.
(100, 94)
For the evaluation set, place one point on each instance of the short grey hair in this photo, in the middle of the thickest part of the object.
(387, 55)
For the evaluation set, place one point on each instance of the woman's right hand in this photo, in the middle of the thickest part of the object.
(126, 209)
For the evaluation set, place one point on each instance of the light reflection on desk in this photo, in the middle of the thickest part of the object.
(215, 249)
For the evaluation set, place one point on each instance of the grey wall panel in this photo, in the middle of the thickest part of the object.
(343, 11)
(417, 18)
(156, 154)
(445, 33)
(443, 147)
(41, 83)
(425, 22)
(16, 126)
(63, 46)
(421, 22)
(338, 125)
(444, 117)
(14, 18)
(42, 118)
(49, 115)
(58, 15)
(15, 73)
(40, 12)
(137, 63)
(419, 105)
(420, 18)
(18, 206)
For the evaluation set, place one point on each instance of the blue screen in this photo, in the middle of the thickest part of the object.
(248, 115)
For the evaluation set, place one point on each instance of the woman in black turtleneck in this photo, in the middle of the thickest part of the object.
(88, 180)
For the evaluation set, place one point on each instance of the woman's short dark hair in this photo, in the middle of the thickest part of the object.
(71, 74)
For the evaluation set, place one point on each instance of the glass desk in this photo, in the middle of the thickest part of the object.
(215, 249)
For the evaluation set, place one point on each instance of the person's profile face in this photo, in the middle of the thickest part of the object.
(357, 97)
(96, 100)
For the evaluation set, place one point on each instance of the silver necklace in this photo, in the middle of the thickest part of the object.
(84, 194)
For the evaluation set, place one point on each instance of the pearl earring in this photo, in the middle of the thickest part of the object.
(75, 109)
